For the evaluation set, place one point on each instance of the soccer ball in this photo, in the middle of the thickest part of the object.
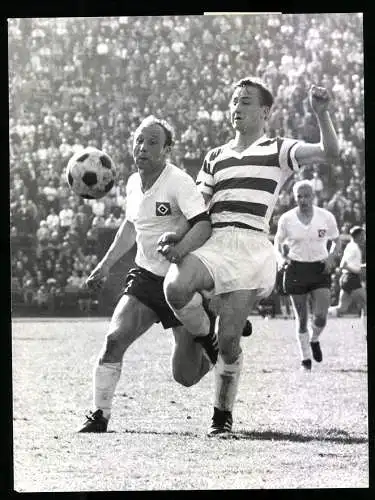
(91, 173)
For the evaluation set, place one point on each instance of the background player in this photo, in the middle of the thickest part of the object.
(160, 198)
(306, 229)
(241, 181)
(351, 289)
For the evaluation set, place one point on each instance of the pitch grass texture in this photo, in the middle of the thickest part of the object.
(291, 429)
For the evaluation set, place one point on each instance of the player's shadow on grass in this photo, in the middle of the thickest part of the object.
(330, 435)
(161, 433)
(337, 370)
(350, 370)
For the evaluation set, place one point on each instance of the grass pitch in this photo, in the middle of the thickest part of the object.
(292, 429)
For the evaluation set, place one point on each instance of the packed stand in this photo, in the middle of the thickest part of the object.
(76, 82)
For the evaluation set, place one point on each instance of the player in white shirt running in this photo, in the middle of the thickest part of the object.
(307, 229)
(161, 199)
(241, 181)
(351, 289)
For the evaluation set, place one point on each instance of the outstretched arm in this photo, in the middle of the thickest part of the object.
(327, 149)
(122, 243)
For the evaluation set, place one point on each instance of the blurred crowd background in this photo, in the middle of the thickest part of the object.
(75, 82)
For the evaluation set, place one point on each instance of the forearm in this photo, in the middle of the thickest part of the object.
(122, 243)
(277, 248)
(328, 137)
(352, 269)
(335, 249)
(194, 238)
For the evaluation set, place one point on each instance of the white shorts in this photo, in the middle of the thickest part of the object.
(239, 259)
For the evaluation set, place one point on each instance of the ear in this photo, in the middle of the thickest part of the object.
(167, 149)
(266, 112)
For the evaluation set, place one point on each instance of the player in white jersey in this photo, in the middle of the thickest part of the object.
(241, 181)
(161, 200)
(307, 229)
(351, 288)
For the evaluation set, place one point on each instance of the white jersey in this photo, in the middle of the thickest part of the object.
(307, 242)
(352, 256)
(245, 186)
(166, 206)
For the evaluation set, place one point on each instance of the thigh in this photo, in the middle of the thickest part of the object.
(130, 319)
(191, 274)
(148, 289)
(321, 298)
(299, 303)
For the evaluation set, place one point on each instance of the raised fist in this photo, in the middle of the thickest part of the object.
(319, 99)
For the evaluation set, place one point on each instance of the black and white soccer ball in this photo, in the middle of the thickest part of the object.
(91, 173)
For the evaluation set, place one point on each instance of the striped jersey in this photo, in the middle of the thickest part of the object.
(244, 187)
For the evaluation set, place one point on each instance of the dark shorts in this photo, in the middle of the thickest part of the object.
(148, 289)
(350, 282)
(304, 277)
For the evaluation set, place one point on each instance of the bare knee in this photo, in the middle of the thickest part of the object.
(113, 349)
(176, 294)
(182, 379)
(229, 347)
(320, 320)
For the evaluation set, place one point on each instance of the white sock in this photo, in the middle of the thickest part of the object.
(332, 311)
(106, 377)
(315, 332)
(304, 345)
(194, 317)
(226, 382)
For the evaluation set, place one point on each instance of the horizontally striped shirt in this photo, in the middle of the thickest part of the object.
(245, 186)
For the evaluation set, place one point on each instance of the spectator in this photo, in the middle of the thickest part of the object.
(317, 183)
(42, 297)
(66, 217)
(98, 207)
(51, 196)
(217, 115)
(29, 289)
(112, 222)
(53, 220)
(17, 295)
(43, 234)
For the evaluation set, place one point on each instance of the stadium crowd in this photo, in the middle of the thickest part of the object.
(76, 82)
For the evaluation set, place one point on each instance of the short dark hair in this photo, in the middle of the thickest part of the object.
(356, 231)
(151, 119)
(265, 93)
